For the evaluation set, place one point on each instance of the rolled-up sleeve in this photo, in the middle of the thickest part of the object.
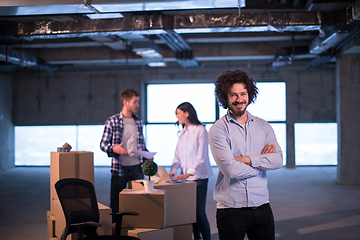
(105, 144)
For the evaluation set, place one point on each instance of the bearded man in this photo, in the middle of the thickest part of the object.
(244, 148)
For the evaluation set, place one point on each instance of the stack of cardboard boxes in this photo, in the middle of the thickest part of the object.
(165, 213)
(72, 165)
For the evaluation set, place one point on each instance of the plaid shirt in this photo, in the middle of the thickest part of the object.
(113, 130)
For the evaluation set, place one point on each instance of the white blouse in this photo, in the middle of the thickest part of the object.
(192, 153)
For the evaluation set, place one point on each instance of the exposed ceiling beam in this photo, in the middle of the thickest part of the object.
(22, 59)
(55, 7)
(155, 24)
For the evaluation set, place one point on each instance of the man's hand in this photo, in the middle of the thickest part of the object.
(182, 177)
(243, 159)
(119, 150)
(268, 149)
(246, 159)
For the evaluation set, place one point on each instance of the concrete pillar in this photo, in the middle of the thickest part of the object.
(348, 118)
(7, 143)
(292, 114)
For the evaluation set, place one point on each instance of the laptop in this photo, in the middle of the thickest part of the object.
(162, 176)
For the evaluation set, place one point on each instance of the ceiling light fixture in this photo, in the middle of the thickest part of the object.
(105, 15)
(157, 64)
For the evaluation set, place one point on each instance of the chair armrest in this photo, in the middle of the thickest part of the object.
(125, 213)
(86, 224)
(118, 219)
(80, 227)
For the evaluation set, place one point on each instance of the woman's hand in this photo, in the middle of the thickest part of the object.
(182, 177)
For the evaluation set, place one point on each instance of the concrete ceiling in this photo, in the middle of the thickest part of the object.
(53, 35)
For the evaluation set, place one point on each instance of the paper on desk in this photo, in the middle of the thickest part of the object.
(145, 154)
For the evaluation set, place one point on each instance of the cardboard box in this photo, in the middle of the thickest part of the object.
(59, 220)
(181, 201)
(105, 220)
(69, 165)
(183, 232)
(149, 234)
(50, 224)
(151, 207)
(180, 232)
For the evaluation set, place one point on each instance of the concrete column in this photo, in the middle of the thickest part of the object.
(348, 118)
(7, 143)
(290, 145)
(292, 115)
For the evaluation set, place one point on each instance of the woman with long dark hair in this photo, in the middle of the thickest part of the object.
(192, 156)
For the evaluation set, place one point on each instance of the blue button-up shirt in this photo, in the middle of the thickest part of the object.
(113, 130)
(240, 185)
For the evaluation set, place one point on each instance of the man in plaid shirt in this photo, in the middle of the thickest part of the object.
(123, 135)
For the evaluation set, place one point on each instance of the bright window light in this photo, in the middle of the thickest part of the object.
(162, 100)
(33, 144)
(89, 137)
(280, 133)
(163, 138)
(270, 103)
(316, 143)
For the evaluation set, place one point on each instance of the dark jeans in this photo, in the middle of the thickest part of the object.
(202, 224)
(257, 223)
(119, 183)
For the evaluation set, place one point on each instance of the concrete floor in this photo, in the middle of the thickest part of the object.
(306, 201)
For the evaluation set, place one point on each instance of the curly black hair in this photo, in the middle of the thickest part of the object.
(225, 82)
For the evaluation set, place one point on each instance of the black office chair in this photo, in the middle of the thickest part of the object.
(78, 200)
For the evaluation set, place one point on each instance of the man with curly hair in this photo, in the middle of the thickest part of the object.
(244, 148)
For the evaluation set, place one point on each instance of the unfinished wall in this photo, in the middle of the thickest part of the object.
(7, 143)
(91, 97)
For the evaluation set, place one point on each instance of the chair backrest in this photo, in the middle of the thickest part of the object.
(79, 203)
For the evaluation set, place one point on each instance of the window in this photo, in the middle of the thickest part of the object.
(89, 137)
(316, 144)
(162, 100)
(33, 144)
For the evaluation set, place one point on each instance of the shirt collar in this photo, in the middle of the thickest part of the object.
(133, 115)
(191, 128)
(230, 118)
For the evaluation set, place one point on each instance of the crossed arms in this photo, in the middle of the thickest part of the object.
(246, 159)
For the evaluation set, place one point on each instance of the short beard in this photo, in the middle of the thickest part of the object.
(236, 113)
